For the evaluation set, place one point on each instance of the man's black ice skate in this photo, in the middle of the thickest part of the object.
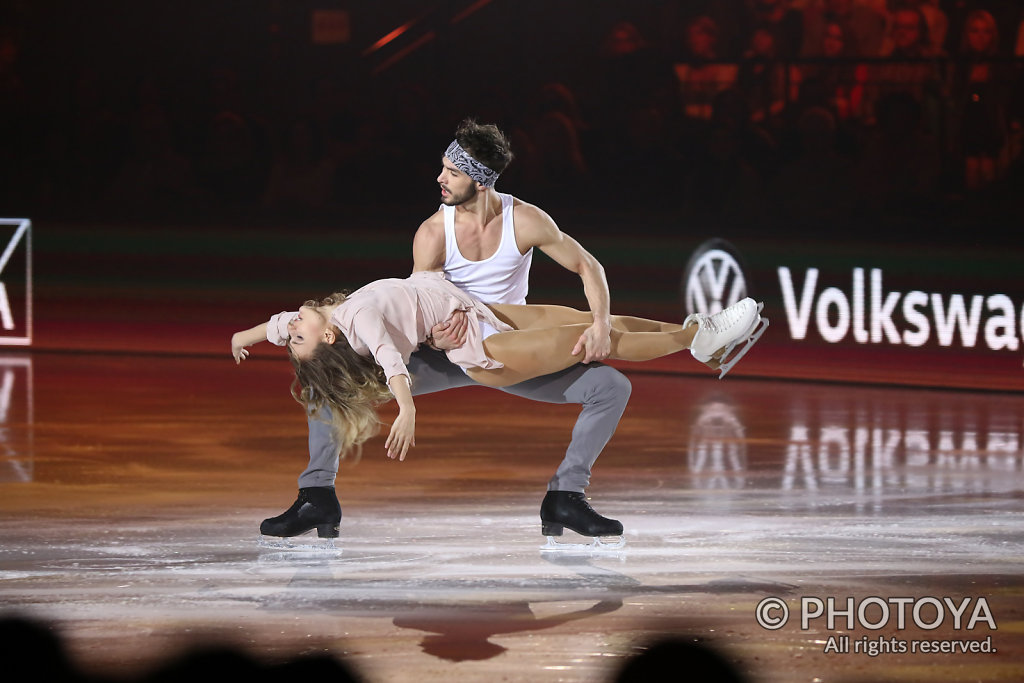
(316, 507)
(570, 509)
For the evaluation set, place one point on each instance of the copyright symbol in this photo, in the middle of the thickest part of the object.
(766, 613)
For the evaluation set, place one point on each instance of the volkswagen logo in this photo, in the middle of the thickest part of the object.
(713, 279)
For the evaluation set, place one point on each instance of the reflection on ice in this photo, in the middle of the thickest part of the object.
(863, 452)
(16, 419)
(718, 448)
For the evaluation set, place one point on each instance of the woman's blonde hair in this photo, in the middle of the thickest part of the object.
(350, 384)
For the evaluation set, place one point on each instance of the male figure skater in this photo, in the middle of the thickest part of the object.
(483, 240)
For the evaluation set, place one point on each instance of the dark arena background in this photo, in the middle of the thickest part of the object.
(845, 506)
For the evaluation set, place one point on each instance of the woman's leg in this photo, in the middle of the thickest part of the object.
(533, 316)
(629, 323)
(529, 353)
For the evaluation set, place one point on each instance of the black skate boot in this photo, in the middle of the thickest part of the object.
(316, 507)
(571, 509)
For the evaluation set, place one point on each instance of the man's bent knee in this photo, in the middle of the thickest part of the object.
(608, 385)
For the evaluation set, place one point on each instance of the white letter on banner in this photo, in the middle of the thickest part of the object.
(798, 317)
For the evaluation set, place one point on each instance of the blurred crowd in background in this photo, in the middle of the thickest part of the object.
(780, 112)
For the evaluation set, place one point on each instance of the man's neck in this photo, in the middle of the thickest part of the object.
(482, 208)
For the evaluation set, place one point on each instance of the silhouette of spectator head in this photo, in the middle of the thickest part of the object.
(834, 42)
(981, 34)
(702, 38)
(312, 668)
(909, 32)
(677, 659)
(762, 43)
(33, 652)
(208, 664)
(624, 39)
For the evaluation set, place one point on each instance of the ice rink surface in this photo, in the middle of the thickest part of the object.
(133, 486)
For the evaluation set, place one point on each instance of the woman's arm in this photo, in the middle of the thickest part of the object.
(240, 340)
(403, 430)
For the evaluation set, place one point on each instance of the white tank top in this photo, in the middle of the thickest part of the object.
(502, 278)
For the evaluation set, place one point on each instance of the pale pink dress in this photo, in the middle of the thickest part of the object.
(388, 319)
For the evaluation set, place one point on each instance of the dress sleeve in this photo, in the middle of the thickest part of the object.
(277, 327)
(368, 324)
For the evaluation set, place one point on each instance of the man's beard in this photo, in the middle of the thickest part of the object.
(456, 199)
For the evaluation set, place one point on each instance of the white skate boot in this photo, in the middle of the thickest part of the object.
(718, 335)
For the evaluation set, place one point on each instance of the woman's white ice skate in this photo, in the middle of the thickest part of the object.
(719, 335)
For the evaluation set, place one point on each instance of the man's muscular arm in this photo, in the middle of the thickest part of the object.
(428, 244)
(428, 254)
(535, 228)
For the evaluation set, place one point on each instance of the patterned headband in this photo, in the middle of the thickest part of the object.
(470, 166)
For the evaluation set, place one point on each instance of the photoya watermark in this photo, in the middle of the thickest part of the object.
(966, 614)
(874, 613)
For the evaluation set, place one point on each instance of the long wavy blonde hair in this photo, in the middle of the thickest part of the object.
(350, 384)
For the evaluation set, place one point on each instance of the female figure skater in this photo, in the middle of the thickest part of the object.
(349, 351)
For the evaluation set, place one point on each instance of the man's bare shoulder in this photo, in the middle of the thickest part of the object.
(533, 224)
(434, 223)
(431, 230)
(528, 211)
(428, 243)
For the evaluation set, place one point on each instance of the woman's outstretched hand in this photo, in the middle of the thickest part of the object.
(240, 340)
(403, 429)
(238, 349)
(402, 435)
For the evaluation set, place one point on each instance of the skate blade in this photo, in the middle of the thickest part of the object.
(726, 362)
(300, 544)
(597, 545)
